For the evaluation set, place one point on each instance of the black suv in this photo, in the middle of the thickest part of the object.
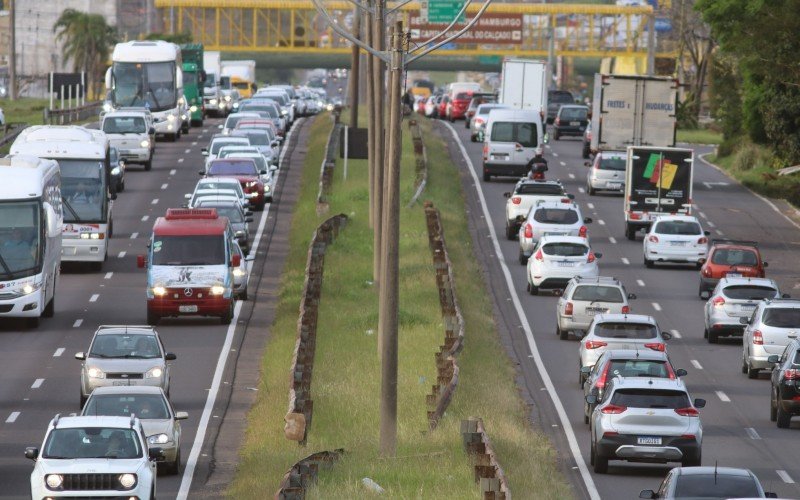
(571, 119)
(784, 401)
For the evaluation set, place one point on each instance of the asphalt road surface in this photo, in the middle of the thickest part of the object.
(737, 429)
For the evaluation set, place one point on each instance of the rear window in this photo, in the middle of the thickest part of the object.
(553, 189)
(568, 114)
(565, 249)
(734, 257)
(616, 163)
(782, 317)
(523, 133)
(638, 368)
(651, 398)
(613, 330)
(238, 167)
(556, 216)
(217, 145)
(463, 96)
(749, 292)
(560, 97)
(678, 228)
(715, 486)
(598, 293)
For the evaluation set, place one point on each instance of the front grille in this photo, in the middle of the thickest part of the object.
(91, 482)
(194, 293)
(125, 376)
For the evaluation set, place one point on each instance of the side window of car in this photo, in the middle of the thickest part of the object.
(662, 490)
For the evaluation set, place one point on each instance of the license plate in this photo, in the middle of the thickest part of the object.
(565, 264)
(733, 275)
(614, 185)
(124, 151)
(677, 243)
(648, 440)
(749, 307)
(574, 124)
(120, 382)
(187, 309)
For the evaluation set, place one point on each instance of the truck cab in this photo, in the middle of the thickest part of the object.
(190, 262)
(194, 77)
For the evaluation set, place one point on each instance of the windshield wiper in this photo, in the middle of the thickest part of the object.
(152, 94)
(71, 210)
(6, 268)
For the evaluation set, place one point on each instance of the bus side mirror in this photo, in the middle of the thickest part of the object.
(141, 261)
(108, 78)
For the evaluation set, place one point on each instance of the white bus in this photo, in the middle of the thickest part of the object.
(84, 158)
(30, 237)
(148, 74)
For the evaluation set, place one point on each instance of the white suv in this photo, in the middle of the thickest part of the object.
(558, 259)
(584, 298)
(94, 457)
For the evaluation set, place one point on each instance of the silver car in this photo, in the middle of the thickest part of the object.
(733, 299)
(619, 331)
(773, 324)
(606, 172)
(238, 217)
(554, 218)
(122, 355)
(644, 419)
(150, 405)
(584, 298)
(218, 186)
(241, 274)
(477, 124)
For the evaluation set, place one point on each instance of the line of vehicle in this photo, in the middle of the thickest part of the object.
(696, 364)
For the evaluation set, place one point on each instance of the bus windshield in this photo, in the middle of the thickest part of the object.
(190, 79)
(84, 190)
(151, 85)
(20, 248)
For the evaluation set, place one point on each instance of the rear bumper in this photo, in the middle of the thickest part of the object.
(708, 284)
(625, 447)
(505, 169)
(726, 329)
(607, 184)
(786, 394)
(574, 131)
(680, 255)
(77, 250)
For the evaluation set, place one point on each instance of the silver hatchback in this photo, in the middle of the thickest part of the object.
(732, 300)
(606, 172)
(554, 218)
(585, 298)
(773, 324)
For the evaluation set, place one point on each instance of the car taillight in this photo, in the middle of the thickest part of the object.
(589, 136)
(601, 380)
(478, 120)
(635, 216)
(626, 309)
(590, 258)
(688, 412)
(613, 409)
(792, 374)
(582, 231)
(702, 241)
(656, 346)
(528, 231)
(652, 238)
(758, 339)
(566, 200)
(568, 309)
(707, 272)
(516, 200)
(718, 302)
(486, 151)
(539, 256)
(594, 344)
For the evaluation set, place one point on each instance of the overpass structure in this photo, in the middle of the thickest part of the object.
(293, 31)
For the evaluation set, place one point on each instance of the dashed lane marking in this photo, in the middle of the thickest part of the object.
(626, 261)
(134, 236)
(722, 396)
(154, 202)
(187, 151)
(711, 224)
(696, 364)
(701, 214)
(571, 176)
(720, 233)
(78, 322)
(121, 255)
(58, 352)
(581, 190)
(108, 275)
(752, 433)
(13, 417)
(785, 477)
(145, 218)
(640, 282)
(37, 383)
(601, 222)
(675, 333)
(180, 160)
(164, 186)
(590, 205)
(173, 172)
(563, 164)
(656, 306)
(94, 297)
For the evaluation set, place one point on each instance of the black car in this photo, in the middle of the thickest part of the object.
(785, 394)
(571, 119)
(556, 99)
(708, 482)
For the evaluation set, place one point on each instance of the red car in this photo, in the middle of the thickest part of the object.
(246, 172)
(730, 258)
(441, 106)
(457, 108)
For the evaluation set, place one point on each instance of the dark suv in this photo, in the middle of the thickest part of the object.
(570, 120)
(784, 401)
(556, 99)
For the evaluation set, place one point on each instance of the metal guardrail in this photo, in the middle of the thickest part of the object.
(421, 161)
(446, 365)
(492, 479)
(301, 406)
(71, 115)
(11, 131)
(303, 473)
(327, 167)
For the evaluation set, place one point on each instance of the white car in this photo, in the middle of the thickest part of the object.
(584, 298)
(218, 186)
(94, 457)
(558, 259)
(241, 273)
(128, 131)
(232, 120)
(218, 142)
(676, 239)
(735, 298)
(528, 193)
(555, 218)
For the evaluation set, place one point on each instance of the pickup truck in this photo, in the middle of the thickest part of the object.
(528, 193)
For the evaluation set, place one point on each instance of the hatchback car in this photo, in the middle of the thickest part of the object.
(477, 100)
(121, 355)
(457, 107)
(741, 258)
(606, 172)
(772, 326)
(675, 239)
(556, 99)
(784, 401)
(570, 120)
(732, 300)
(150, 405)
(708, 482)
(555, 218)
(645, 419)
(584, 298)
(225, 186)
(618, 331)
(558, 259)
(529, 193)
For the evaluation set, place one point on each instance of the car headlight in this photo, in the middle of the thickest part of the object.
(154, 372)
(238, 272)
(145, 143)
(213, 101)
(90, 236)
(228, 98)
(193, 109)
(54, 481)
(236, 105)
(217, 290)
(239, 233)
(127, 481)
(95, 373)
(221, 105)
(171, 118)
(284, 112)
(115, 171)
(183, 117)
(158, 439)
(252, 184)
(266, 188)
(159, 291)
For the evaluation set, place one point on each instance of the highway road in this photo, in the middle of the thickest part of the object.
(737, 429)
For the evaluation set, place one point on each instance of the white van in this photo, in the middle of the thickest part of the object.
(129, 132)
(513, 137)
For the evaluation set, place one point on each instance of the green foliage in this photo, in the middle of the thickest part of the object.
(725, 95)
(686, 112)
(177, 38)
(781, 117)
(87, 40)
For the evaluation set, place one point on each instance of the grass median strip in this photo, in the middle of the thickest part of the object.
(346, 381)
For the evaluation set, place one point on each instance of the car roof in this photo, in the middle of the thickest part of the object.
(219, 180)
(624, 318)
(781, 302)
(131, 329)
(552, 238)
(717, 242)
(556, 204)
(553, 182)
(727, 471)
(671, 218)
(596, 280)
(128, 389)
(95, 421)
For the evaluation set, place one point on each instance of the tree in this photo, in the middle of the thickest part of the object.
(696, 44)
(87, 41)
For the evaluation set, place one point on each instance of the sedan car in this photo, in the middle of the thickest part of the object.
(741, 258)
(238, 217)
(708, 482)
(555, 218)
(584, 298)
(675, 239)
(246, 172)
(558, 259)
(123, 356)
(150, 405)
(221, 186)
(772, 326)
(606, 172)
(734, 299)
(570, 120)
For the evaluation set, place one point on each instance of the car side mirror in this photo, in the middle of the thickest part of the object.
(598, 255)
(769, 494)
(113, 195)
(743, 321)
(181, 415)
(786, 296)
(32, 452)
(155, 453)
(680, 372)
(151, 131)
(666, 335)
(248, 219)
(707, 233)
(586, 370)
(591, 399)
(220, 126)
(507, 195)
(705, 295)
(141, 261)
(647, 494)
(587, 164)
(587, 220)
(248, 213)
(274, 144)
(187, 196)
(631, 296)
(80, 355)
(273, 168)
(170, 356)
(204, 151)
(236, 261)
(766, 264)
(773, 358)
(699, 403)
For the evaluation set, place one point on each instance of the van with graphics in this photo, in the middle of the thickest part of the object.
(190, 263)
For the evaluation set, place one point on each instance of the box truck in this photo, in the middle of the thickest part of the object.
(242, 75)
(524, 85)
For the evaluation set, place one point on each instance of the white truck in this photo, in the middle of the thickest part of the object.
(213, 98)
(30, 229)
(633, 111)
(242, 75)
(148, 74)
(524, 85)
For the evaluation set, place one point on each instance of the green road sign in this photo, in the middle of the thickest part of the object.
(443, 11)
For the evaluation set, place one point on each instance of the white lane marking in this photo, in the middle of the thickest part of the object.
(194, 143)
(752, 433)
(581, 190)
(164, 186)
(94, 297)
(197, 445)
(640, 282)
(626, 261)
(675, 333)
(572, 440)
(78, 322)
(785, 476)
(656, 306)
(188, 151)
(722, 396)
(134, 236)
(555, 154)
(108, 275)
(121, 255)
(58, 352)
(145, 218)
(205, 130)
(180, 160)
(37, 383)
(696, 364)
(612, 240)
(154, 202)
(601, 222)
(173, 172)
(13, 417)
(711, 224)
(571, 176)
(719, 232)
(701, 214)
(563, 164)
(590, 205)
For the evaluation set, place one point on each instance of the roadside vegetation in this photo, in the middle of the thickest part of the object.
(699, 136)
(24, 109)
(346, 383)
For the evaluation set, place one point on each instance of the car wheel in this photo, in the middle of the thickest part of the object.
(581, 377)
(713, 337)
(752, 372)
(630, 233)
(592, 191)
(33, 322)
(586, 416)
(600, 464)
(783, 418)
(744, 364)
(487, 177)
(705, 333)
(226, 318)
(773, 407)
(243, 295)
(648, 263)
(563, 334)
(533, 290)
(522, 259)
(148, 165)
(152, 319)
(511, 233)
(466, 123)
(693, 462)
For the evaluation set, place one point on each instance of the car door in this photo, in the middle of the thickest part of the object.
(167, 365)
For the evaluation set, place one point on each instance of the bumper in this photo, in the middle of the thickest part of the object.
(758, 357)
(26, 306)
(708, 284)
(167, 127)
(567, 323)
(88, 385)
(726, 329)
(504, 169)
(607, 184)
(558, 278)
(214, 306)
(135, 155)
(39, 491)
(76, 250)
(575, 131)
(624, 447)
(683, 255)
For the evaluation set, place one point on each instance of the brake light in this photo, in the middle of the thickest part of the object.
(528, 231)
(656, 346)
(758, 339)
(610, 433)
(582, 231)
(613, 409)
(626, 309)
(601, 380)
(594, 344)
(539, 256)
(591, 258)
(702, 241)
(478, 120)
(516, 200)
(568, 309)
(652, 238)
(793, 374)
(486, 151)
(718, 302)
(589, 135)
(688, 412)
(707, 271)
(635, 216)
(566, 200)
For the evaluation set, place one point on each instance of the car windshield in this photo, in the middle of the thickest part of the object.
(233, 167)
(124, 125)
(261, 162)
(217, 145)
(277, 97)
(650, 398)
(678, 228)
(20, 248)
(715, 486)
(639, 368)
(92, 442)
(625, 330)
(782, 317)
(565, 249)
(556, 216)
(598, 293)
(551, 189)
(125, 345)
(189, 251)
(734, 257)
(524, 134)
(144, 406)
(260, 108)
(568, 114)
(749, 292)
(616, 163)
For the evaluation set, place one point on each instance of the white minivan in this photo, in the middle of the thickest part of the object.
(513, 137)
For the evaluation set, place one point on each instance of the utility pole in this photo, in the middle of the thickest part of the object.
(378, 104)
(651, 45)
(12, 52)
(371, 125)
(354, 70)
